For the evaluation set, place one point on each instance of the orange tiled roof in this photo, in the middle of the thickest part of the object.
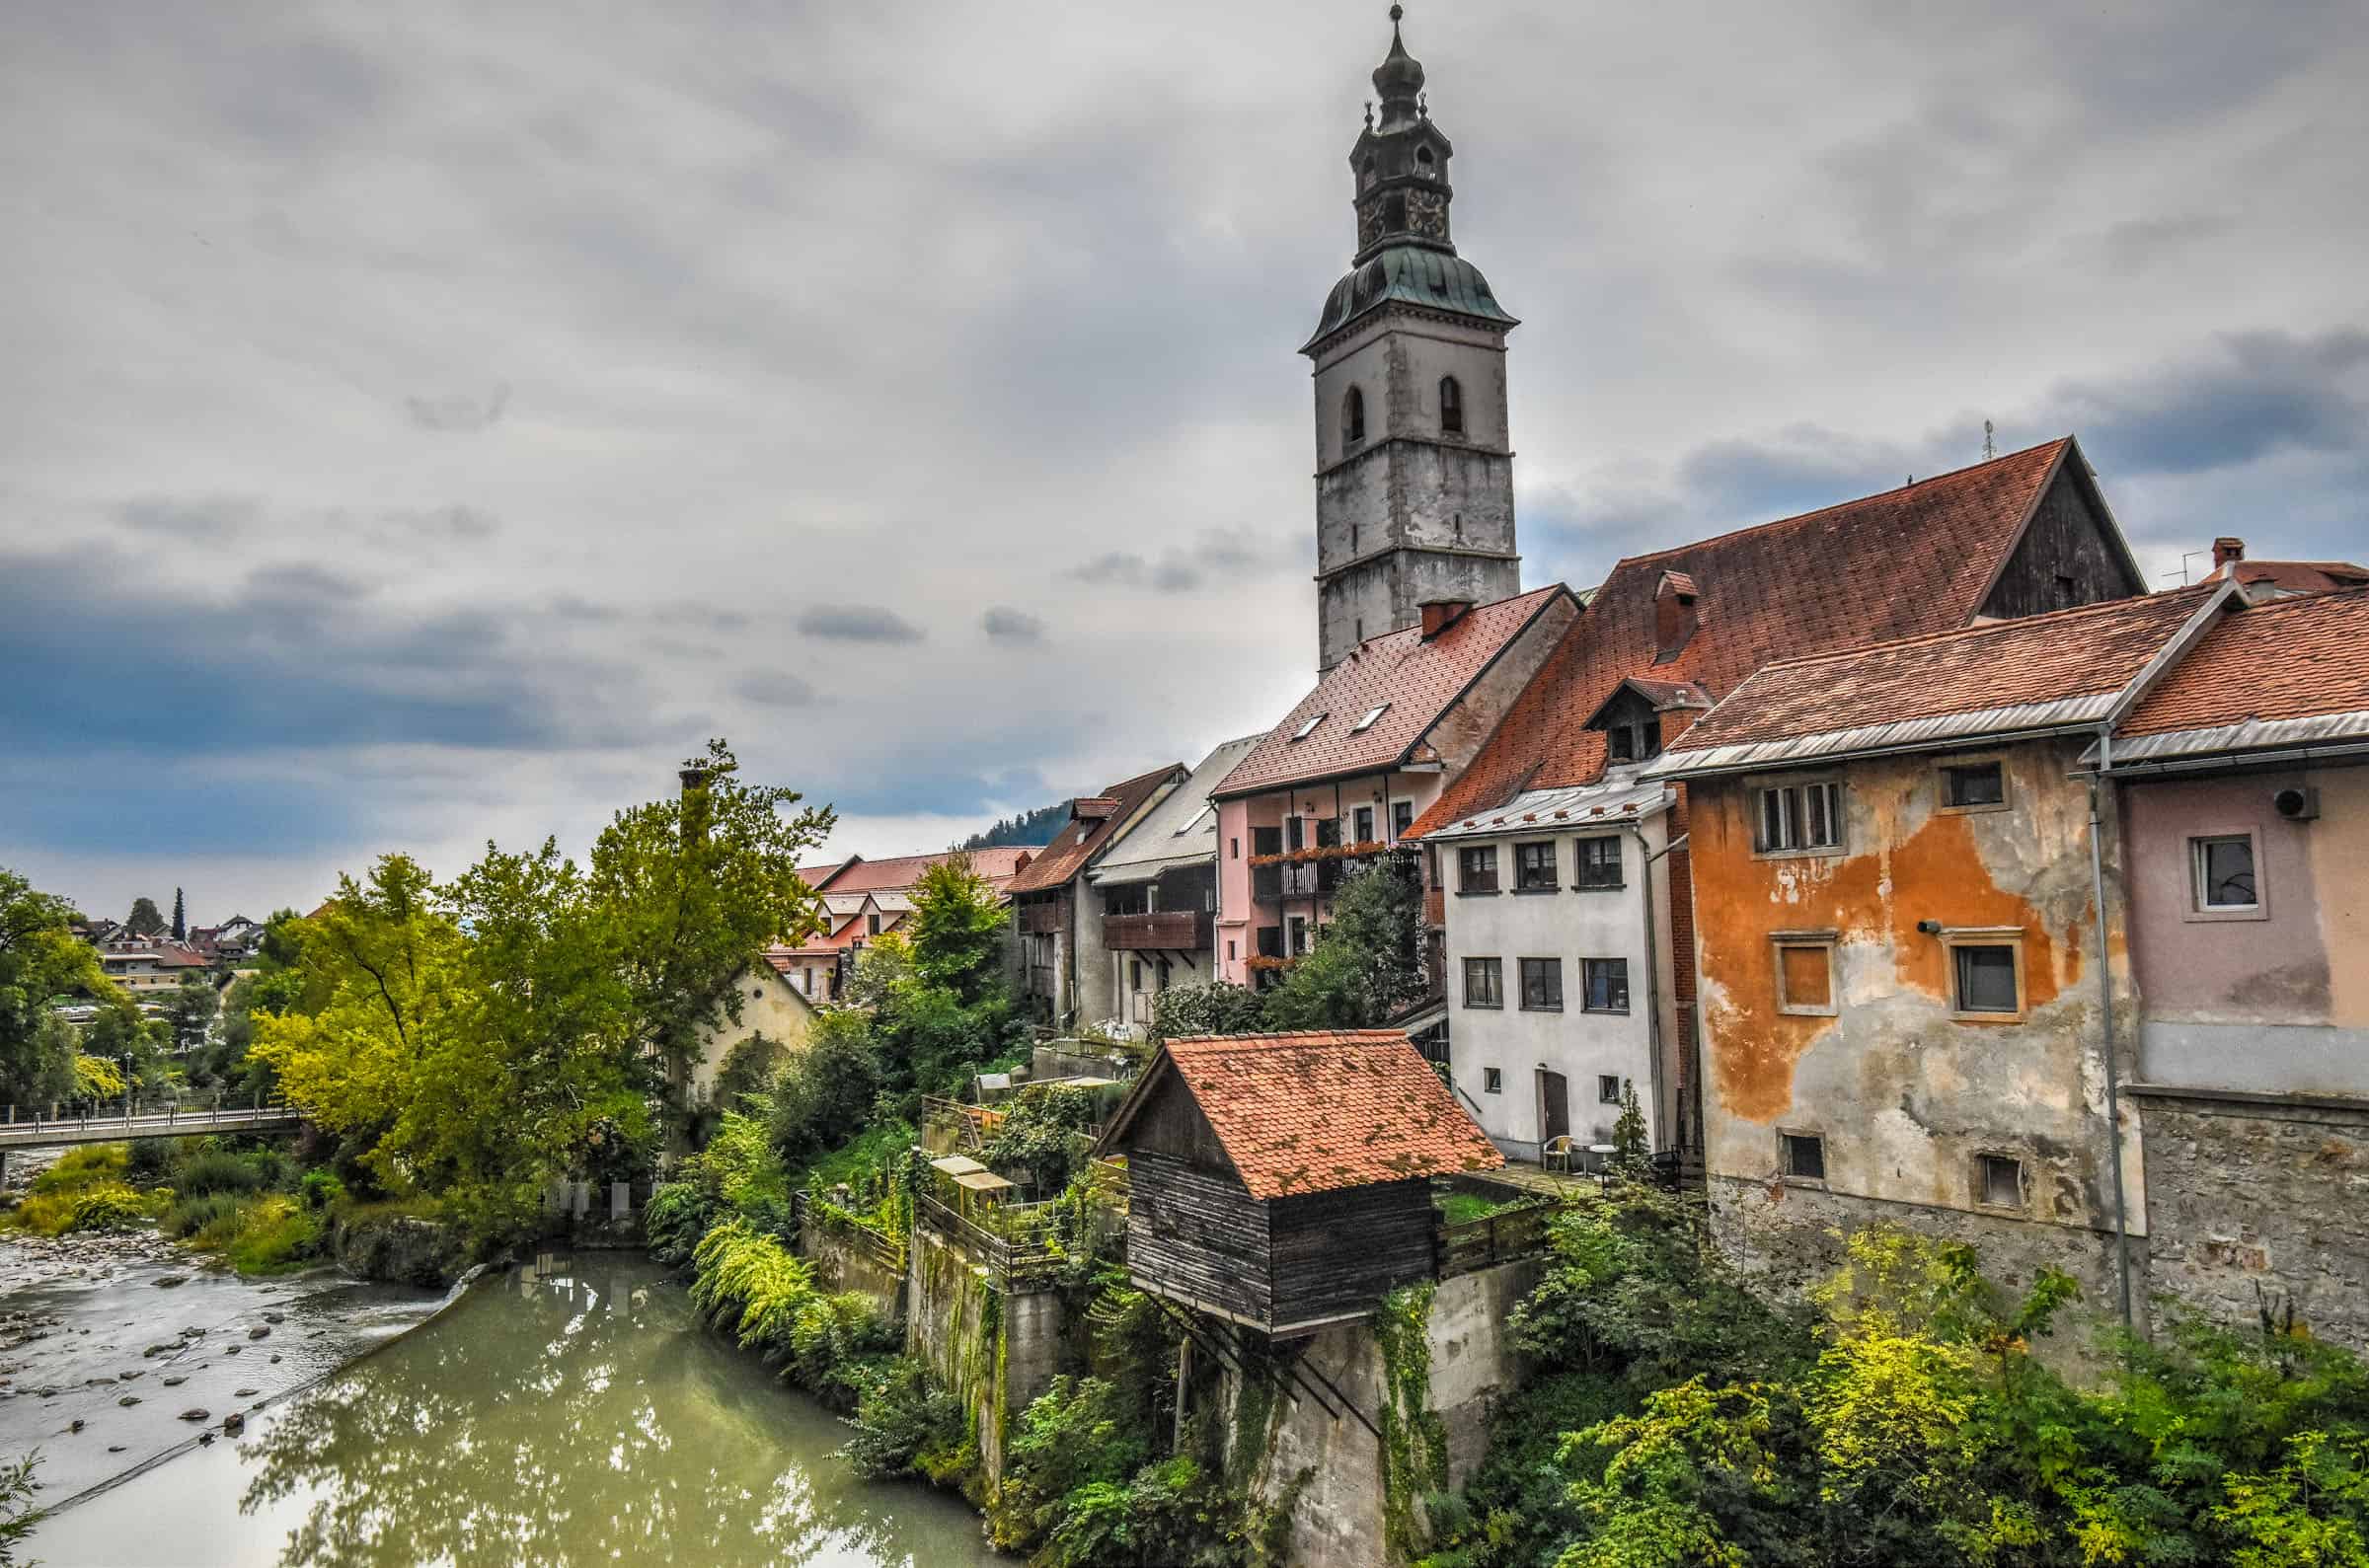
(2089, 651)
(2289, 658)
(2293, 576)
(997, 865)
(1075, 844)
(1418, 679)
(1910, 561)
(1314, 1113)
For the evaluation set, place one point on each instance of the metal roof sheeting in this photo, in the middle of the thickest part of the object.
(1910, 734)
(1564, 810)
(2253, 734)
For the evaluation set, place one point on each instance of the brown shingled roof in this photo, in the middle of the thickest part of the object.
(1314, 1113)
(1418, 679)
(2290, 658)
(1916, 560)
(1096, 818)
(997, 865)
(2094, 651)
(2293, 576)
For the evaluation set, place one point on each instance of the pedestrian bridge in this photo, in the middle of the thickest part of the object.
(114, 1127)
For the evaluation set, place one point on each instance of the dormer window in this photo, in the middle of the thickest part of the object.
(1309, 728)
(1352, 417)
(1451, 407)
(1425, 164)
(1632, 728)
(1371, 713)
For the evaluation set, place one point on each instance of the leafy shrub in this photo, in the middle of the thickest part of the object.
(107, 1208)
(147, 1159)
(749, 1284)
(205, 1219)
(275, 1235)
(1214, 1007)
(320, 1189)
(906, 1425)
(218, 1171)
(81, 1168)
(680, 1214)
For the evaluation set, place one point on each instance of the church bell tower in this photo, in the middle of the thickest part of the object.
(1414, 456)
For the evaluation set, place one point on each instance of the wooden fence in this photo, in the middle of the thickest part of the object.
(1471, 1245)
(1023, 1258)
(886, 1250)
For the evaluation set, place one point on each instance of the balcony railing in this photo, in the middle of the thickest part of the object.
(1273, 883)
(1182, 930)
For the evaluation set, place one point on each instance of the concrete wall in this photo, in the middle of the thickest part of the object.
(1338, 1522)
(2273, 1000)
(993, 1351)
(1571, 925)
(841, 1265)
(2260, 1201)
(1905, 1095)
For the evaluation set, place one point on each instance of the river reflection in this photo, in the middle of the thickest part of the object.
(572, 1413)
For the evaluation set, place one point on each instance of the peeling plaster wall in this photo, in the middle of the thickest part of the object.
(1906, 1096)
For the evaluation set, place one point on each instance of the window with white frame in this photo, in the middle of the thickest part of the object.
(1308, 727)
(1797, 818)
(1371, 713)
(2222, 876)
(1608, 1089)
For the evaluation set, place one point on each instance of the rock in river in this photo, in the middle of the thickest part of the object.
(194, 1413)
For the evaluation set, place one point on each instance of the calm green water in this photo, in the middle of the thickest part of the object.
(569, 1414)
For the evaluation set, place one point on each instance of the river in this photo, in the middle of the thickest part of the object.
(568, 1411)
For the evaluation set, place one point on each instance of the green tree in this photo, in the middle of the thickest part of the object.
(1631, 1150)
(959, 930)
(180, 917)
(188, 1013)
(41, 961)
(693, 890)
(144, 920)
(1367, 963)
(1212, 1008)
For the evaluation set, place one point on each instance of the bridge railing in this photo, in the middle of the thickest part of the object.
(137, 1117)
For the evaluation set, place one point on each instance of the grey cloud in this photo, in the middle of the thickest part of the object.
(1012, 626)
(435, 524)
(2254, 394)
(190, 517)
(300, 581)
(773, 689)
(856, 623)
(459, 413)
(1216, 552)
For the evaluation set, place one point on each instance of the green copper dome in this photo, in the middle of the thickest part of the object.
(1409, 274)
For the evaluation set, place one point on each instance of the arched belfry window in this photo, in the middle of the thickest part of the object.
(1451, 405)
(1353, 415)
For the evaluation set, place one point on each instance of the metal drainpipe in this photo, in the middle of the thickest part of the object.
(2105, 1024)
(1653, 1043)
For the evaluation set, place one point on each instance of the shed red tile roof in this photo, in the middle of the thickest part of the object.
(2289, 658)
(2092, 650)
(1910, 561)
(2294, 576)
(1075, 844)
(1319, 1111)
(1418, 679)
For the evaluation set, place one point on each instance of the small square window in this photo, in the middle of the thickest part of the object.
(1804, 1156)
(1485, 982)
(1606, 983)
(1541, 985)
(1492, 1080)
(1402, 818)
(1477, 868)
(2002, 1182)
(1600, 862)
(1985, 978)
(1973, 785)
(2223, 874)
(1534, 867)
(1608, 1089)
(1793, 819)
(1805, 974)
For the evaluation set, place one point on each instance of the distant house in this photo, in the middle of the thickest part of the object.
(865, 900)
(1357, 760)
(2262, 581)
(771, 1005)
(1157, 887)
(150, 968)
(1282, 1182)
(1059, 922)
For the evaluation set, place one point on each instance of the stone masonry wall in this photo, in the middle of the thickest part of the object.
(2260, 1195)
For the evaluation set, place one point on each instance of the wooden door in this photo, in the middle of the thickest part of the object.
(1555, 1105)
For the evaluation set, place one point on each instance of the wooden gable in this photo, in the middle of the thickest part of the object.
(2070, 552)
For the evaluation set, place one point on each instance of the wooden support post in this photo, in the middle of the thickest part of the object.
(1183, 1392)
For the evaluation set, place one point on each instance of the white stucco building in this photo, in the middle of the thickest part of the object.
(1560, 980)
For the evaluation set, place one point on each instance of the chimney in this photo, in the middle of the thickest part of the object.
(2227, 549)
(1441, 614)
(1675, 617)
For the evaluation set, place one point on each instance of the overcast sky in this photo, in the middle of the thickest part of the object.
(422, 424)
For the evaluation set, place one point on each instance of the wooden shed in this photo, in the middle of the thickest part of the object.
(1282, 1182)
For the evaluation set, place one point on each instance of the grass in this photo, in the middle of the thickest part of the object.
(1461, 1208)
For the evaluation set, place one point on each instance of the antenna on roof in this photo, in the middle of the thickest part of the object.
(1990, 448)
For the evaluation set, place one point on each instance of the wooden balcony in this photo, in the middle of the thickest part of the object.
(1175, 931)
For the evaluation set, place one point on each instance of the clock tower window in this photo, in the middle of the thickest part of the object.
(1352, 417)
(1451, 405)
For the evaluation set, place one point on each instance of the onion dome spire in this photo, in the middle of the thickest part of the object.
(1398, 80)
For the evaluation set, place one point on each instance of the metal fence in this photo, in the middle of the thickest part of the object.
(889, 1251)
(1017, 1252)
(92, 1120)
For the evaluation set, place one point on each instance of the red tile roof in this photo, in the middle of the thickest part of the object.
(1075, 844)
(2289, 658)
(2094, 651)
(1418, 679)
(2294, 576)
(997, 865)
(1314, 1113)
(1915, 560)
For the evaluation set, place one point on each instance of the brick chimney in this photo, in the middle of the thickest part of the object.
(1674, 614)
(1441, 614)
(2227, 549)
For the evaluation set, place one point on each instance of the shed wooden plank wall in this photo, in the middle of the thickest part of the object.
(1197, 1233)
(1339, 1253)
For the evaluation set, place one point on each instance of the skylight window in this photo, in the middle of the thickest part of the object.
(1309, 728)
(1208, 813)
(1371, 713)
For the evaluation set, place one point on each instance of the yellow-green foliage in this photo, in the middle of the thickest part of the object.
(750, 1282)
(80, 1168)
(84, 1190)
(97, 1078)
(274, 1234)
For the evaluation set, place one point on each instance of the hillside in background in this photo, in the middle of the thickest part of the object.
(1031, 829)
